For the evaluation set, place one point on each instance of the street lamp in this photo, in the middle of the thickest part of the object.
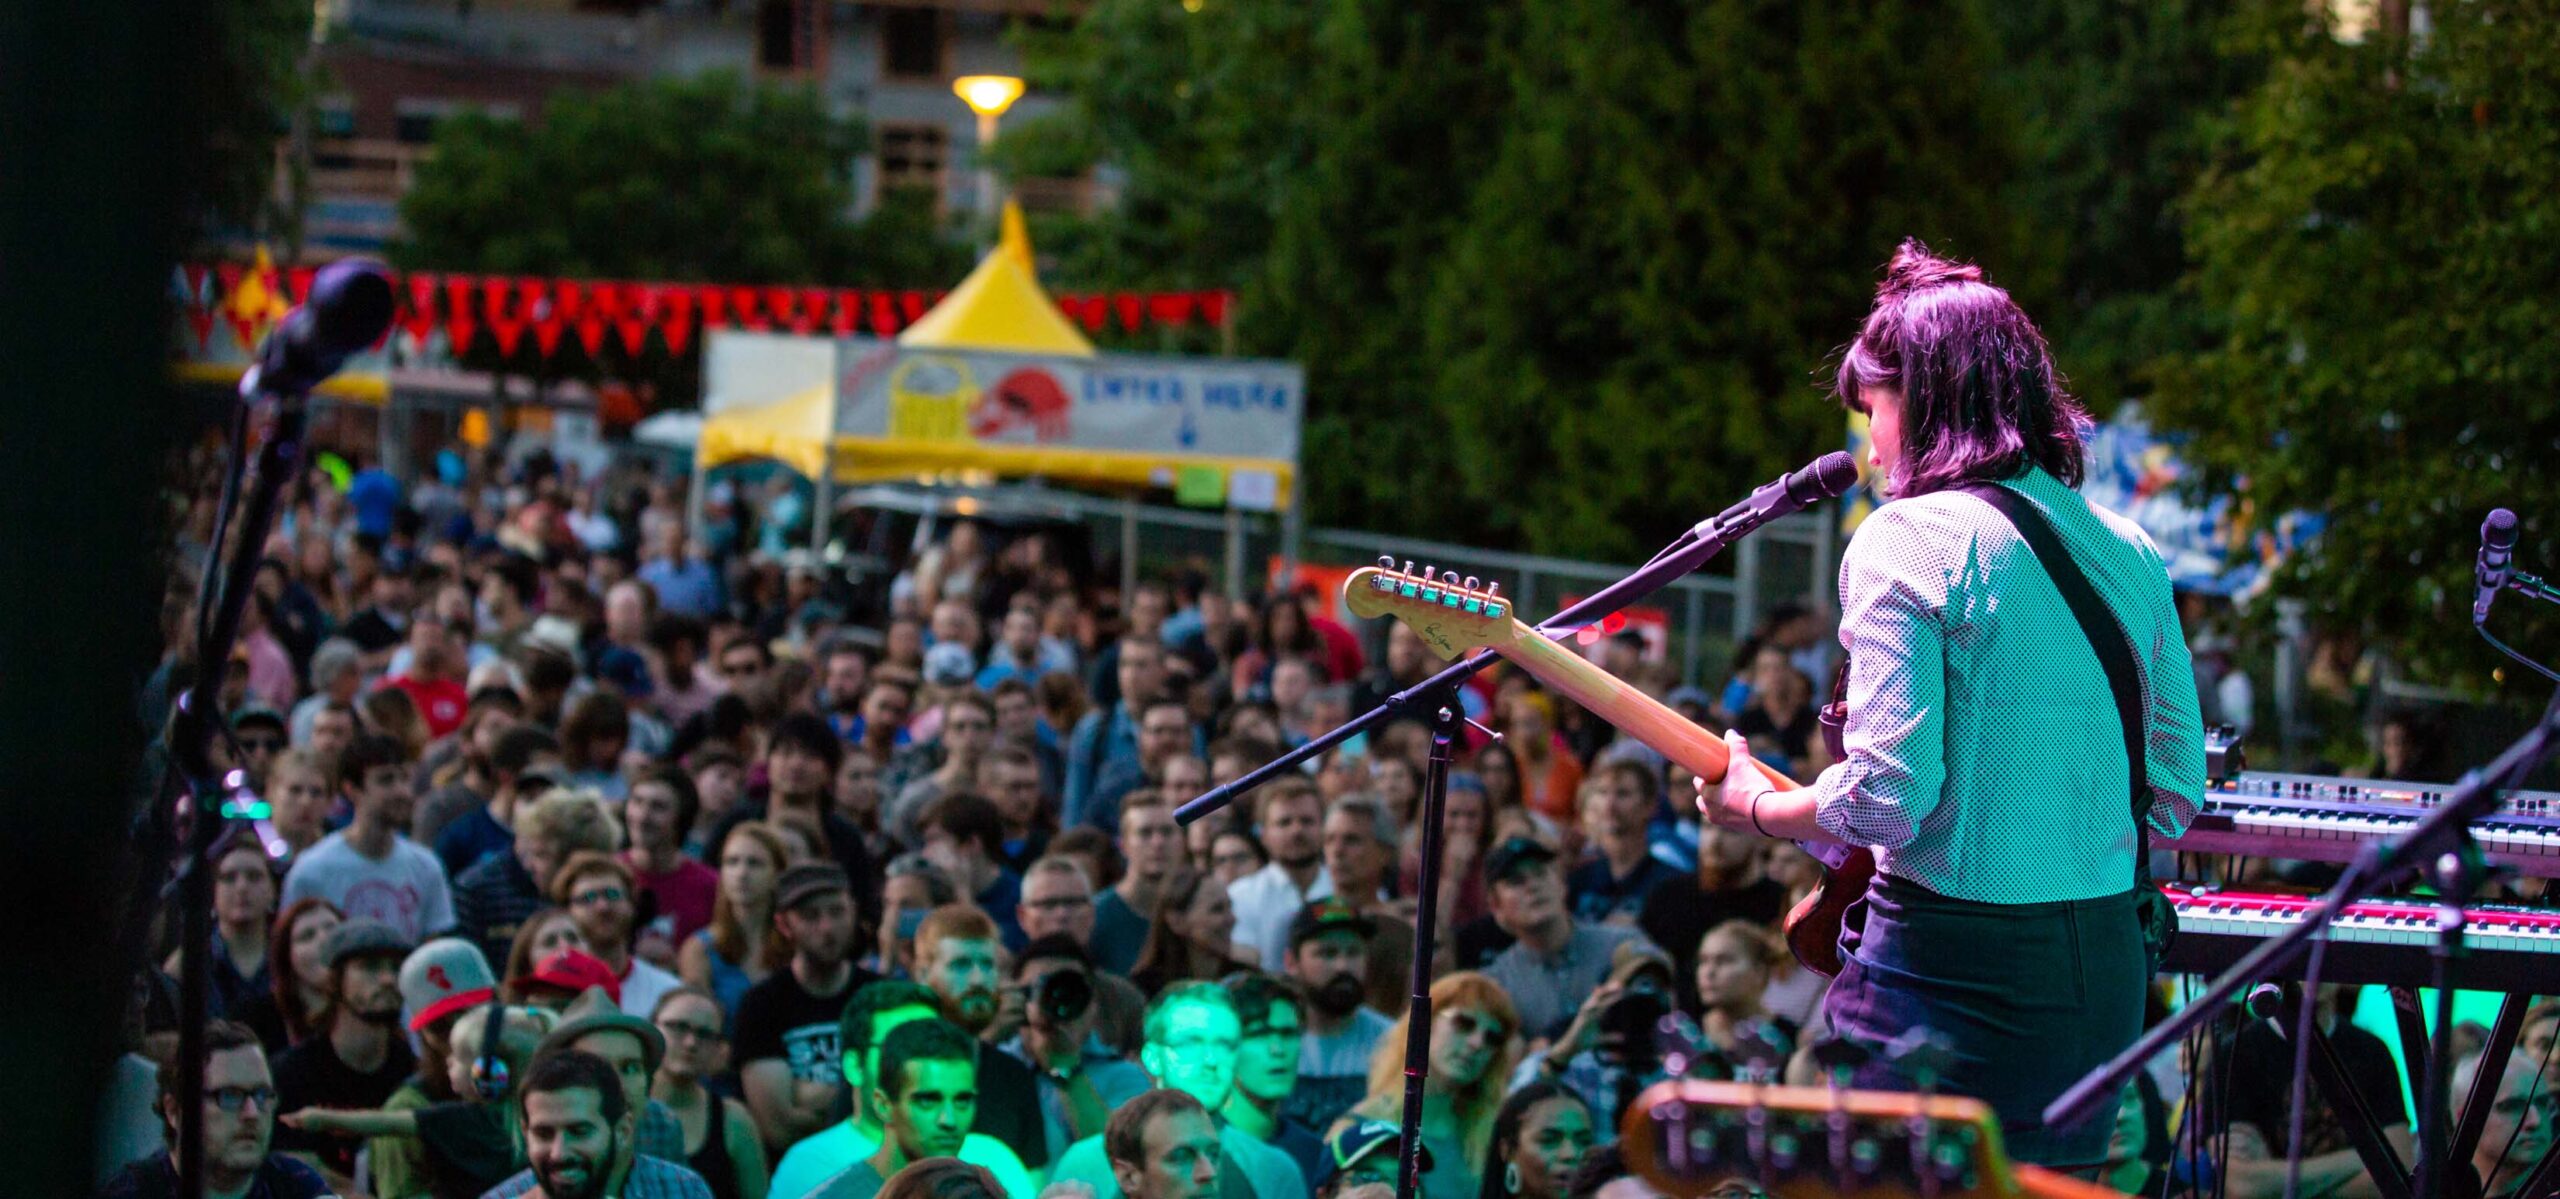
(988, 96)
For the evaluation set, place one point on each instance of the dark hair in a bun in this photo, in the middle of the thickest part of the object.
(1981, 400)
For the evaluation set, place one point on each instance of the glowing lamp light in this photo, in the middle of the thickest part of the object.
(987, 95)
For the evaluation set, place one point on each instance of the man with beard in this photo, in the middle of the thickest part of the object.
(1267, 1068)
(1728, 885)
(1009, 776)
(1359, 852)
(369, 869)
(941, 768)
(956, 950)
(1555, 960)
(239, 1119)
(578, 1137)
(786, 1025)
(927, 1095)
(876, 1011)
(1164, 1146)
(1268, 899)
(1057, 1035)
(1328, 958)
(1193, 1039)
(358, 1057)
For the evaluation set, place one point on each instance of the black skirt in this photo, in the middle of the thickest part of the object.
(2031, 996)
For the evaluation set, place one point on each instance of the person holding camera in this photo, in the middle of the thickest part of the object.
(1053, 989)
(1607, 1054)
(1555, 959)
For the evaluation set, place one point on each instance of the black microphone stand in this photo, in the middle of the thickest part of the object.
(2440, 843)
(1437, 697)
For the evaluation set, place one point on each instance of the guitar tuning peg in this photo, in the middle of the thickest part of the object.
(1840, 1058)
(1427, 572)
(1408, 566)
(1471, 582)
(1386, 561)
(1492, 589)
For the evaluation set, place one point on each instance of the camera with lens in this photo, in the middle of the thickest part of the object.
(1061, 995)
(1627, 1026)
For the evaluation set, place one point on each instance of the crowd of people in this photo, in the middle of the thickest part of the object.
(600, 859)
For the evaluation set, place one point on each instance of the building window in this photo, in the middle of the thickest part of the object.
(911, 43)
(788, 35)
(912, 155)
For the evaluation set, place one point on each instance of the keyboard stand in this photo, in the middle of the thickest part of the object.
(2363, 1128)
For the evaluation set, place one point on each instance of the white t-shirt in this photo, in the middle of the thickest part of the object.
(1265, 901)
(642, 988)
(405, 889)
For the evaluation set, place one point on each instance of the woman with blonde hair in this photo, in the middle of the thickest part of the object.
(1475, 1039)
(727, 956)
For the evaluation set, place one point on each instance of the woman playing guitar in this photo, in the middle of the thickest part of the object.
(1985, 756)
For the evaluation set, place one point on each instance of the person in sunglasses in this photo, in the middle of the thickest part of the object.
(239, 1122)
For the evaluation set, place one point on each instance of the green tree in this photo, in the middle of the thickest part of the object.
(249, 89)
(2376, 239)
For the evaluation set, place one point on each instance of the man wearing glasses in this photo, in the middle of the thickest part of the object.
(239, 1120)
(1193, 1042)
(602, 896)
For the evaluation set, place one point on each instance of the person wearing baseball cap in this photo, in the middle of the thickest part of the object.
(440, 982)
(562, 977)
(1361, 1152)
(358, 1057)
(1328, 959)
(441, 979)
(786, 1026)
(1555, 960)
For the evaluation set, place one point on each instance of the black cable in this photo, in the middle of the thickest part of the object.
(2304, 1021)
(235, 469)
(2504, 648)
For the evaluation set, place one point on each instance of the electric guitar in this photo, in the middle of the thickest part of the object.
(1454, 617)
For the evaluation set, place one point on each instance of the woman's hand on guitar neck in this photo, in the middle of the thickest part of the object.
(1746, 801)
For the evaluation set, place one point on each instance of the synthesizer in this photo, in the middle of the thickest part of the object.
(2316, 818)
(2378, 942)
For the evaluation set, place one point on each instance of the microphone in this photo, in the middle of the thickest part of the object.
(2496, 561)
(1826, 478)
(349, 308)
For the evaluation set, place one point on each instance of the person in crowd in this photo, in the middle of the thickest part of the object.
(600, 895)
(599, 726)
(337, 677)
(968, 731)
(926, 1092)
(1359, 852)
(720, 1139)
(1192, 938)
(1235, 852)
(914, 888)
(579, 1136)
(299, 786)
(965, 838)
(942, 1178)
(1019, 723)
(524, 762)
(1554, 959)
(1164, 1145)
(2256, 1113)
(844, 676)
(258, 731)
(719, 775)
(1193, 1039)
(496, 897)
(465, 1143)
(727, 956)
(1126, 913)
(874, 1012)
(1547, 774)
(956, 951)
(1729, 884)
(1474, 1040)
(594, 1023)
(1292, 828)
(356, 1058)
(685, 689)
(1618, 803)
(800, 765)
(1779, 721)
(543, 935)
(2522, 1116)
(888, 700)
(1361, 1158)
(1021, 654)
(244, 912)
(1328, 960)
(441, 982)
(433, 679)
(858, 799)
(1109, 733)
(1279, 632)
(1056, 1019)
(1274, 1025)
(1057, 901)
(369, 869)
(240, 1103)
(1540, 1137)
(1165, 735)
(657, 819)
(1603, 1062)
(786, 1025)
(1736, 960)
(288, 1012)
(1009, 776)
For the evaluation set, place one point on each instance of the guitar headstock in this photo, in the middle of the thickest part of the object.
(1691, 1139)
(1450, 614)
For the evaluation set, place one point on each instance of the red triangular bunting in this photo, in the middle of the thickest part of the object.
(715, 307)
(229, 274)
(635, 334)
(813, 309)
(459, 330)
(509, 331)
(493, 298)
(676, 326)
(1132, 311)
(911, 305)
(422, 292)
(531, 292)
(744, 305)
(783, 303)
(884, 314)
(458, 290)
(591, 334)
(1213, 306)
(1170, 308)
(419, 324)
(569, 299)
(848, 312)
(546, 335)
(200, 319)
(297, 282)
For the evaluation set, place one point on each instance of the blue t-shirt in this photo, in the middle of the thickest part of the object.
(375, 496)
(1119, 933)
(470, 839)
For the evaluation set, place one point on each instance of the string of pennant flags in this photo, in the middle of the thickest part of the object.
(509, 310)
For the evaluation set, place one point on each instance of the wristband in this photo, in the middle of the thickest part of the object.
(1755, 814)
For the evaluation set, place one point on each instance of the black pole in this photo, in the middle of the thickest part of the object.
(1426, 919)
(2458, 874)
(208, 790)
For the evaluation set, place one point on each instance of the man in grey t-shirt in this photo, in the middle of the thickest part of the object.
(1556, 959)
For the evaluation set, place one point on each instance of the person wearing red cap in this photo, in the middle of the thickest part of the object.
(562, 977)
(439, 983)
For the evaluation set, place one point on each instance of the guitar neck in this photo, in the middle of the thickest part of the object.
(1625, 708)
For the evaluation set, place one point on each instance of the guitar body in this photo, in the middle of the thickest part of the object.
(1453, 618)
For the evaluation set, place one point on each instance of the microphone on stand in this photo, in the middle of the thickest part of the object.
(1825, 478)
(349, 308)
(2495, 563)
